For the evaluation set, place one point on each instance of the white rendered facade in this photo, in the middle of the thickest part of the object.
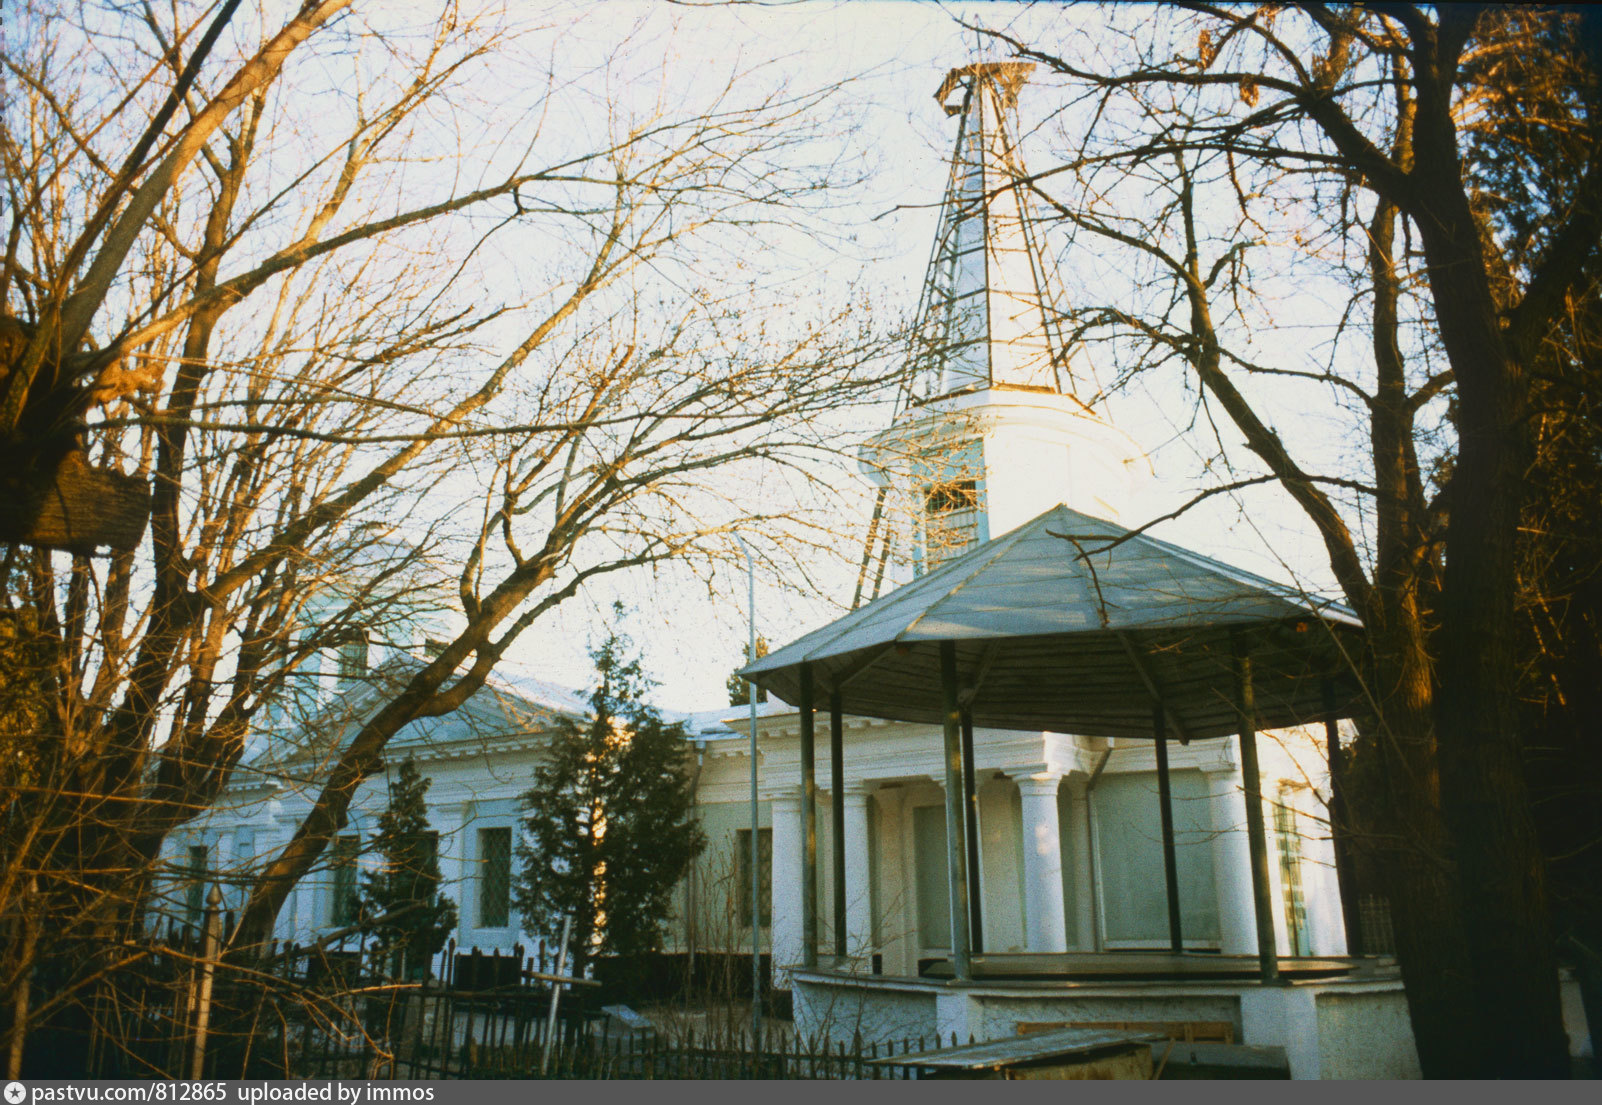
(1069, 840)
(1069, 833)
(1070, 860)
(1066, 863)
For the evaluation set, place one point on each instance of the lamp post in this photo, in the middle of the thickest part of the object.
(756, 851)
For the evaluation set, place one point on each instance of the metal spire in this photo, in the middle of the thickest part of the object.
(987, 316)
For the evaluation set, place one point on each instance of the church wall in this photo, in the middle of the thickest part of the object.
(1026, 472)
(1028, 451)
(1001, 866)
(1133, 896)
(1038, 454)
(477, 791)
(708, 911)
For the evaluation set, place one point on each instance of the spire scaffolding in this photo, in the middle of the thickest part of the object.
(987, 317)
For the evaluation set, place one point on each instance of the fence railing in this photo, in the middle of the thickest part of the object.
(319, 1011)
(499, 1045)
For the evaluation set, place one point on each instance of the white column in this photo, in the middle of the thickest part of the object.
(859, 889)
(1232, 863)
(300, 910)
(896, 882)
(786, 930)
(1044, 930)
(1080, 869)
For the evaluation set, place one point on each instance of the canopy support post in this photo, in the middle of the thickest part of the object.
(837, 818)
(956, 831)
(809, 825)
(1165, 798)
(1257, 840)
(1339, 828)
(970, 800)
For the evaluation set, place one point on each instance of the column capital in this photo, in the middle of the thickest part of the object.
(889, 796)
(1076, 783)
(1035, 779)
(781, 796)
(858, 793)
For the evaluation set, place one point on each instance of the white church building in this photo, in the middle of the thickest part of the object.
(1068, 853)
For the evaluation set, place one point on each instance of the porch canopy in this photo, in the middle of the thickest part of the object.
(1069, 624)
(1072, 624)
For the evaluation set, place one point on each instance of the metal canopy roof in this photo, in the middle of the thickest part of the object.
(1070, 624)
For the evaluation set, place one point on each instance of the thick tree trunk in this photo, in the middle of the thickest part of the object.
(1483, 788)
(1484, 799)
(1409, 841)
(73, 506)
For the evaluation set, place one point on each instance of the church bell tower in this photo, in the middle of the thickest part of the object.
(995, 423)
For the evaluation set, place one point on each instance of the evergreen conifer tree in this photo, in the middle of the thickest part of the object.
(609, 828)
(739, 690)
(403, 911)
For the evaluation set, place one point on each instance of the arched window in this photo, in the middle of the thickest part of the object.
(345, 898)
(353, 657)
(951, 512)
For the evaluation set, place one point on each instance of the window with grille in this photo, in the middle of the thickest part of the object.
(495, 877)
(353, 657)
(742, 845)
(345, 901)
(1374, 915)
(951, 519)
(1290, 876)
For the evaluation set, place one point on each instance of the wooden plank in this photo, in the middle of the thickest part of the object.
(74, 507)
(1219, 1032)
(1134, 1065)
(1203, 1061)
(1018, 1051)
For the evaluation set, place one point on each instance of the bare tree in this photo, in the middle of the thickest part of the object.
(344, 336)
(1233, 154)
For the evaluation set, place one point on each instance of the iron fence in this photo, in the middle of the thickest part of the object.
(174, 1008)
